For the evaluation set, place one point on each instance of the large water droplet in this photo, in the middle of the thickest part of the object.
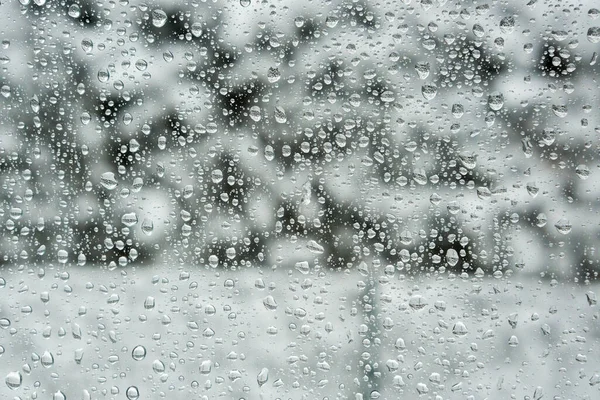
(14, 380)
(315, 247)
(429, 91)
(563, 226)
(452, 257)
(147, 226)
(132, 393)
(138, 353)
(593, 34)
(47, 359)
(459, 329)
(108, 180)
(496, 101)
(270, 303)
(129, 219)
(507, 24)
(263, 377)
(159, 18)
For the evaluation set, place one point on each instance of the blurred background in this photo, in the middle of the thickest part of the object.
(310, 199)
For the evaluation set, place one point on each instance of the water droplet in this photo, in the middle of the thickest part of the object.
(582, 171)
(507, 24)
(206, 367)
(158, 366)
(429, 91)
(34, 103)
(230, 253)
(59, 396)
(452, 257)
(593, 34)
(168, 56)
(103, 76)
(263, 377)
(47, 359)
(149, 303)
(132, 393)
(315, 247)
(216, 176)
(563, 226)
(74, 11)
(62, 256)
(255, 113)
(147, 226)
(245, 3)
(280, 115)
(14, 380)
(388, 96)
(303, 267)
(138, 353)
(273, 75)
(108, 180)
(469, 160)
(88, 45)
(532, 189)
(423, 69)
(270, 303)
(159, 19)
(478, 30)
(417, 302)
(269, 152)
(496, 101)
(459, 329)
(560, 111)
(591, 298)
(129, 219)
(197, 29)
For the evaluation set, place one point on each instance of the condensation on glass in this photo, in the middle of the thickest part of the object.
(258, 199)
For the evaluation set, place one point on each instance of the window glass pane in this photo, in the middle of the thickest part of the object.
(339, 199)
